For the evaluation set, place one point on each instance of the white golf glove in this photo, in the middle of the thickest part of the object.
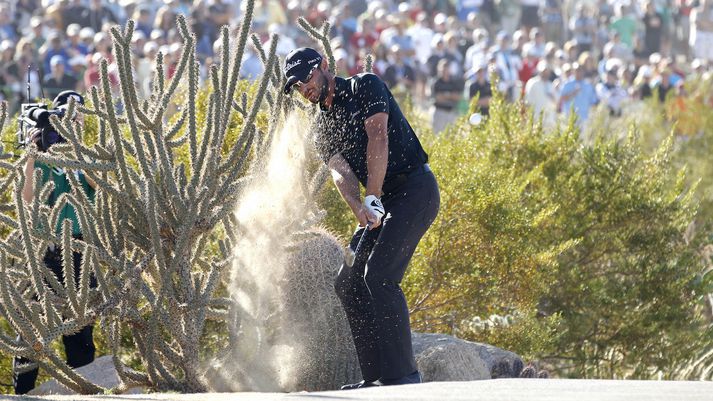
(373, 204)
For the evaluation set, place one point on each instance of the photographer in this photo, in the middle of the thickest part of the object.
(79, 347)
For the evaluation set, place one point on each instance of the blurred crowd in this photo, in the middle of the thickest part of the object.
(560, 56)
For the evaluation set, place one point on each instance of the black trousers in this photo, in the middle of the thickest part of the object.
(79, 347)
(370, 290)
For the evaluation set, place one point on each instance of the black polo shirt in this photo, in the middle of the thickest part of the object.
(341, 129)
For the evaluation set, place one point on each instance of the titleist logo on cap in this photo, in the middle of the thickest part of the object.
(293, 64)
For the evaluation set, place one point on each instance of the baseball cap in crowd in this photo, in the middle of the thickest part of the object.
(73, 29)
(77, 60)
(35, 21)
(56, 59)
(6, 44)
(299, 64)
(62, 100)
(86, 33)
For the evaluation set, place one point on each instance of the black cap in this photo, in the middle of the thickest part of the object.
(298, 64)
(63, 98)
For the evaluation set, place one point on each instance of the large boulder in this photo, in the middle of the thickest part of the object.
(441, 357)
(100, 372)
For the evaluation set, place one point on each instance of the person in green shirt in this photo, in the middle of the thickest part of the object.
(79, 347)
(624, 24)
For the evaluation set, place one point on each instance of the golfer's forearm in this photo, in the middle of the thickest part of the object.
(377, 154)
(346, 181)
(348, 187)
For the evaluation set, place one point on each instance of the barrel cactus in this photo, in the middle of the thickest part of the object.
(313, 318)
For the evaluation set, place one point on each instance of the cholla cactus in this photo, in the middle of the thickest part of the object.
(146, 234)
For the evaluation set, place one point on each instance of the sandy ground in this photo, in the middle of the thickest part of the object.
(490, 390)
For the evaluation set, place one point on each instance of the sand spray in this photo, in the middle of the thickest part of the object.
(290, 333)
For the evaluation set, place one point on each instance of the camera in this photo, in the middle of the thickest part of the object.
(37, 115)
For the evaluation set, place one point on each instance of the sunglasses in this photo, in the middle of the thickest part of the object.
(307, 79)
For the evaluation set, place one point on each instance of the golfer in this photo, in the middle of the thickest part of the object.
(364, 138)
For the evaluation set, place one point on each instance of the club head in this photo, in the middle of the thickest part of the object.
(349, 256)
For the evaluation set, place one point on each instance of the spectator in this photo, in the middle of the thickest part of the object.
(364, 38)
(145, 69)
(396, 35)
(653, 28)
(285, 43)
(452, 52)
(7, 30)
(698, 70)
(480, 86)
(25, 56)
(76, 13)
(421, 35)
(624, 24)
(76, 46)
(590, 66)
(446, 92)
(509, 11)
(529, 14)
(86, 36)
(56, 13)
(528, 67)
(36, 34)
(10, 86)
(642, 84)
(138, 40)
(165, 19)
(476, 55)
(490, 16)
(583, 28)
(701, 39)
(578, 96)
(639, 52)
(611, 93)
(251, 67)
(552, 21)
(606, 60)
(144, 24)
(266, 12)
(619, 49)
(58, 79)
(662, 84)
(682, 18)
(77, 67)
(464, 8)
(92, 74)
(537, 41)
(53, 47)
(98, 15)
(221, 13)
(508, 65)
(399, 72)
(539, 93)
(341, 59)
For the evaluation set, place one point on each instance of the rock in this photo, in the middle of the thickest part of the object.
(441, 357)
(100, 372)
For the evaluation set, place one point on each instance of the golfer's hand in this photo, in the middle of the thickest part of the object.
(366, 217)
(373, 211)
